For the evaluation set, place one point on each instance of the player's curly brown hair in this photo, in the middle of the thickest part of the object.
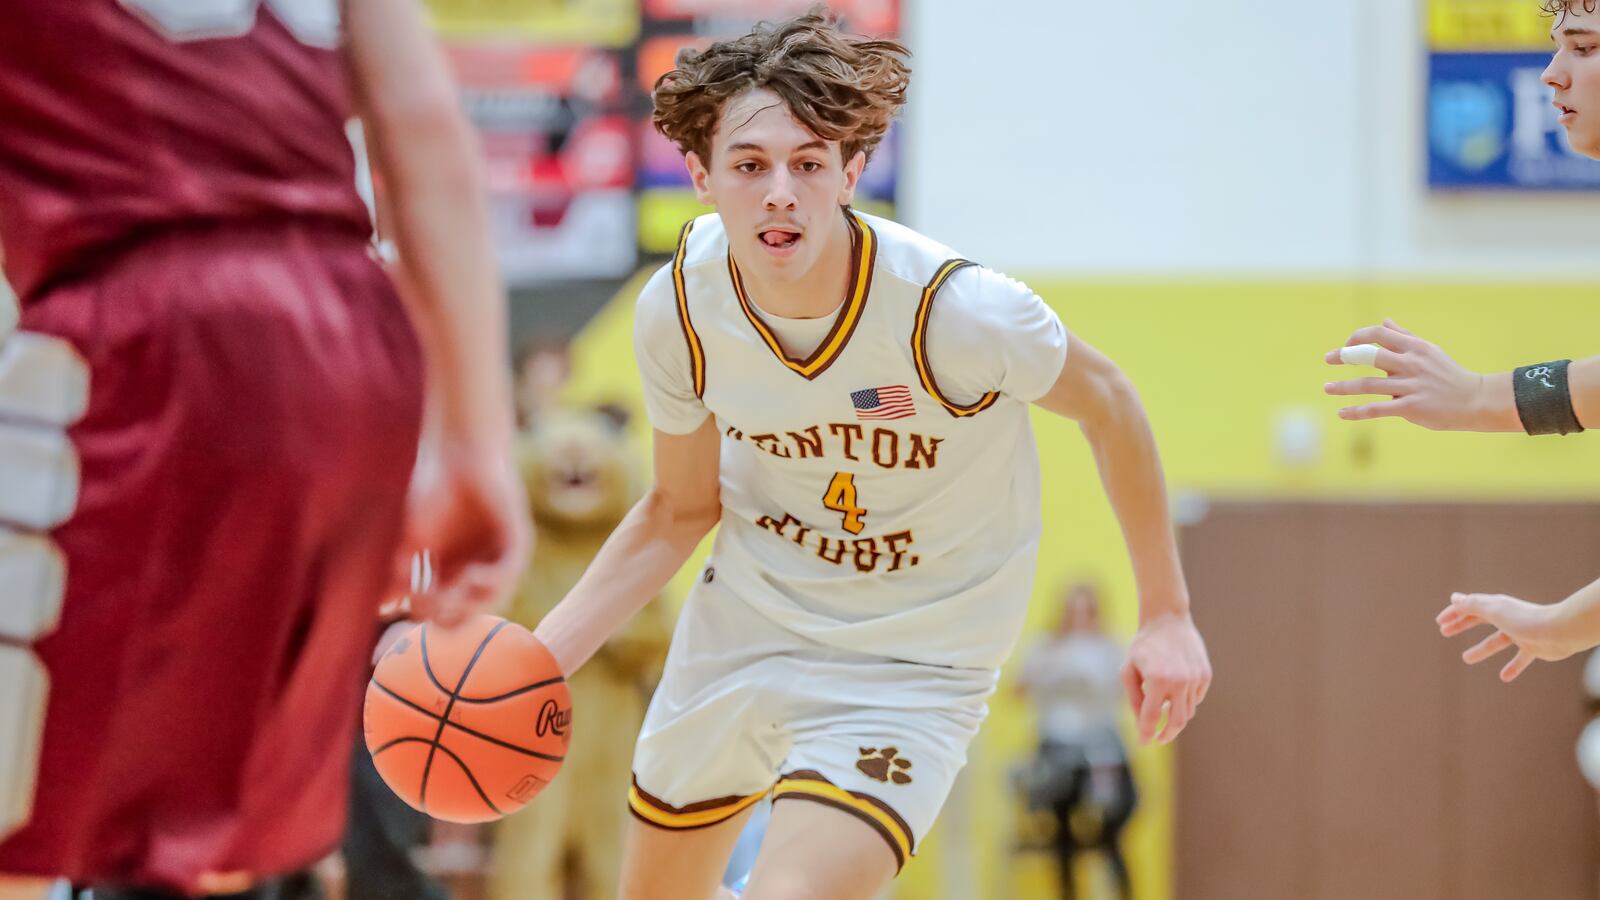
(1562, 7)
(842, 87)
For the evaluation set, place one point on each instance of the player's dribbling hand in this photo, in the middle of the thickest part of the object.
(1425, 385)
(1167, 669)
(1535, 630)
(467, 509)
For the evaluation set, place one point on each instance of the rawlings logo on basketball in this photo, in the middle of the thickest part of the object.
(552, 718)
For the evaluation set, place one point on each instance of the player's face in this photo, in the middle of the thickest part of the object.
(1574, 72)
(777, 186)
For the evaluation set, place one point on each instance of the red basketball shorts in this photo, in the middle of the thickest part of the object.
(204, 453)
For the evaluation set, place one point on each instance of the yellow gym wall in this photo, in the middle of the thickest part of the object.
(1218, 363)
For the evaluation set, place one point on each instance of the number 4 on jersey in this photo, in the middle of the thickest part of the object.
(841, 498)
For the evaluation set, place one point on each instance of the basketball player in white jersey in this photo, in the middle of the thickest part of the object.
(1428, 388)
(849, 400)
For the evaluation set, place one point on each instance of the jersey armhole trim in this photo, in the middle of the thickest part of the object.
(919, 345)
(697, 354)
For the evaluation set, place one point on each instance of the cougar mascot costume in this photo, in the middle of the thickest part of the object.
(576, 468)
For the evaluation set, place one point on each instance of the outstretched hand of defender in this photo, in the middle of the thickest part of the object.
(1536, 630)
(1167, 670)
(1426, 387)
(467, 535)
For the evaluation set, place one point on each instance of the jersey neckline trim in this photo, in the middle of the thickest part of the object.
(863, 260)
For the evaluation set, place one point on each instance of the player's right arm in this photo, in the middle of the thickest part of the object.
(1428, 388)
(685, 502)
(650, 545)
(467, 507)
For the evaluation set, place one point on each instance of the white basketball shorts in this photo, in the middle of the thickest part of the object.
(747, 707)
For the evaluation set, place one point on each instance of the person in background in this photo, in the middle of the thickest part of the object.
(1082, 773)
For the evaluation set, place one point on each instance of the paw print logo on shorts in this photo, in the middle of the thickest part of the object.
(884, 765)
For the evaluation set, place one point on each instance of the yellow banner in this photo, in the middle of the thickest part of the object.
(1468, 26)
(602, 23)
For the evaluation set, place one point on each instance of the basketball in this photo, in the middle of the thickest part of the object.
(468, 724)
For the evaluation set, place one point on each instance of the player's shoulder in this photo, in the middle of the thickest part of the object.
(914, 257)
(904, 253)
(981, 286)
(656, 310)
(658, 288)
(703, 240)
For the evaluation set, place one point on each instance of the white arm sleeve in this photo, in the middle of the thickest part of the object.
(662, 352)
(988, 332)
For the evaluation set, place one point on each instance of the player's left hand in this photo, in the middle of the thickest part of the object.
(1167, 669)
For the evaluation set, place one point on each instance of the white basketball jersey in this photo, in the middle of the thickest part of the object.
(882, 494)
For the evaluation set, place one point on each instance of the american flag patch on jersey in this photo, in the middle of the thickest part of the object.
(892, 402)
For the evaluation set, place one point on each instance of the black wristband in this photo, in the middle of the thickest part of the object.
(1544, 403)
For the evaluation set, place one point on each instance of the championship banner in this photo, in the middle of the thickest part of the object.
(1490, 119)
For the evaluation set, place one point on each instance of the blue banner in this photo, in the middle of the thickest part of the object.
(1491, 125)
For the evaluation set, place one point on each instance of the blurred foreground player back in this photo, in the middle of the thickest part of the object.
(221, 466)
(122, 117)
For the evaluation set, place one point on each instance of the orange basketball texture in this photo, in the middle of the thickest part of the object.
(468, 724)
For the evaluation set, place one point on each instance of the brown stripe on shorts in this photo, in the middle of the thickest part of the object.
(800, 777)
(701, 814)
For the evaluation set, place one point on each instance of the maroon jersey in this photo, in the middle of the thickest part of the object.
(120, 115)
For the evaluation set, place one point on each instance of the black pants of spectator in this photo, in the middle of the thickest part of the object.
(1113, 816)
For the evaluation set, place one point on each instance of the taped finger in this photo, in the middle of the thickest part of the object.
(1359, 355)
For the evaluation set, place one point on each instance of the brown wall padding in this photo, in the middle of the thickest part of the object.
(1345, 752)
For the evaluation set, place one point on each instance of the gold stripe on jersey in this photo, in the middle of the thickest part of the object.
(863, 258)
(919, 345)
(697, 354)
(876, 813)
(695, 815)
